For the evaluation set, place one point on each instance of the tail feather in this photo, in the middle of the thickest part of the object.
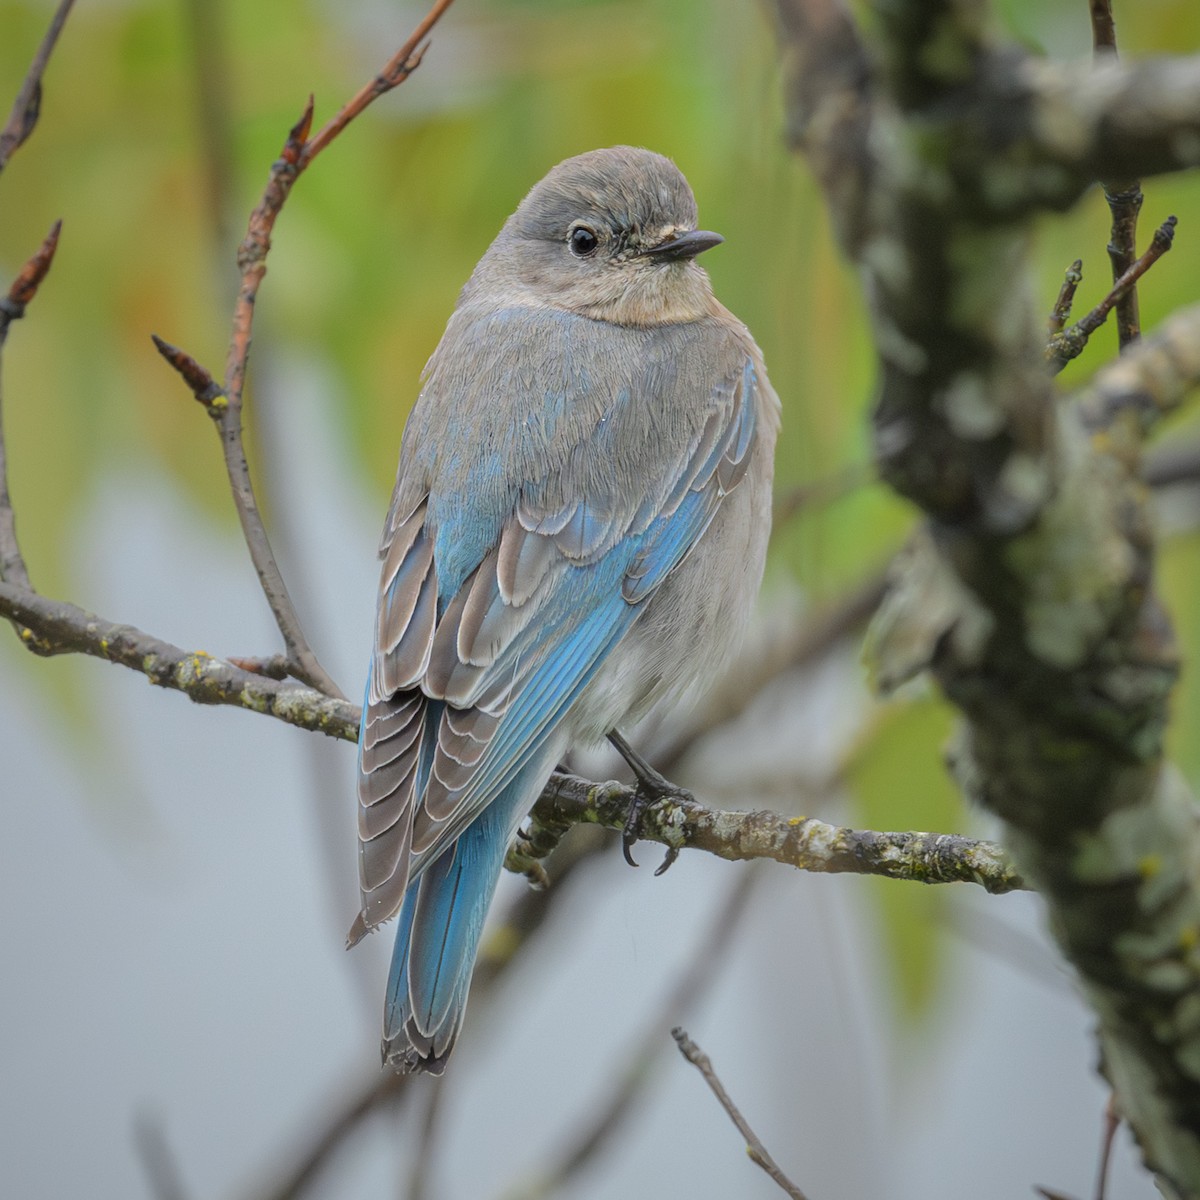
(440, 925)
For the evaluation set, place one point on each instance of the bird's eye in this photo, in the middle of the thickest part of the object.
(583, 241)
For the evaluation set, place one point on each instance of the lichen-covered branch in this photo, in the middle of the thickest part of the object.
(202, 678)
(1030, 592)
(803, 842)
(1148, 382)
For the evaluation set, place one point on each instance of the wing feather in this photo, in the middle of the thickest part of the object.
(484, 640)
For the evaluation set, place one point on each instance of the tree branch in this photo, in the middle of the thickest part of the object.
(802, 842)
(224, 404)
(756, 1151)
(202, 678)
(12, 308)
(1069, 343)
(1147, 383)
(27, 105)
(1030, 595)
(1124, 196)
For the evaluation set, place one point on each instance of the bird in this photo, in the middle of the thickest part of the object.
(577, 534)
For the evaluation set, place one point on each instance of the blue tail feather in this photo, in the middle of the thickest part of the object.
(440, 925)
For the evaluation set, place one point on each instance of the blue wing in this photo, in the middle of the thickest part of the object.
(471, 672)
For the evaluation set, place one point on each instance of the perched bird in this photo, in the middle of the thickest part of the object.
(577, 533)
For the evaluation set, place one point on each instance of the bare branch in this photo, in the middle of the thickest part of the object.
(12, 308)
(1061, 313)
(754, 1147)
(1148, 382)
(1124, 197)
(398, 68)
(298, 152)
(802, 842)
(28, 103)
(227, 410)
(1104, 29)
(163, 1176)
(204, 679)
(1070, 343)
(1030, 594)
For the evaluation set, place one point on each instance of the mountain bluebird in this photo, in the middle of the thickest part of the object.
(577, 533)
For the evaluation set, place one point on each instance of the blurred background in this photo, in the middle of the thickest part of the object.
(177, 1015)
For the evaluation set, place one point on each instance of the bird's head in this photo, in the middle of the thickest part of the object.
(609, 235)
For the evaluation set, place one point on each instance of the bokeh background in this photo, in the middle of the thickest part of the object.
(175, 882)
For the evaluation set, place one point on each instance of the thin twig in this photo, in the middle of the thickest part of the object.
(1070, 343)
(1061, 313)
(298, 152)
(1148, 382)
(1112, 1122)
(385, 1090)
(398, 68)
(163, 1175)
(27, 105)
(1124, 197)
(1104, 30)
(638, 1062)
(12, 308)
(427, 1138)
(754, 1148)
(227, 411)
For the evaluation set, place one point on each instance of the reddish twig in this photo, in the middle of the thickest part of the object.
(1069, 344)
(298, 152)
(399, 67)
(274, 667)
(12, 308)
(203, 386)
(27, 105)
(754, 1148)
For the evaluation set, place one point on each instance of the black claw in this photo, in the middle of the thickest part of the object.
(651, 787)
(668, 859)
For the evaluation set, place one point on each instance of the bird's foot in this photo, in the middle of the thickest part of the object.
(651, 788)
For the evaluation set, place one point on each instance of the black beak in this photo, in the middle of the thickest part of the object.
(685, 245)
